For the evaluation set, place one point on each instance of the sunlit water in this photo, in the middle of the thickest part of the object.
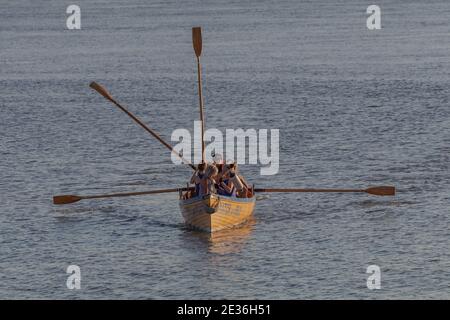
(354, 108)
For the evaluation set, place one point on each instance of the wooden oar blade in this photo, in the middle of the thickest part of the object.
(381, 191)
(100, 89)
(197, 40)
(65, 199)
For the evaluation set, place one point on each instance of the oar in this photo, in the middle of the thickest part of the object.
(197, 43)
(378, 191)
(65, 199)
(106, 94)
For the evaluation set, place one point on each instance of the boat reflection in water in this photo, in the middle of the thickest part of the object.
(225, 241)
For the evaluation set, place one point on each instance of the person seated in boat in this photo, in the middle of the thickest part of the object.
(247, 188)
(230, 184)
(225, 187)
(236, 181)
(211, 176)
(203, 179)
(197, 179)
(247, 191)
(218, 162)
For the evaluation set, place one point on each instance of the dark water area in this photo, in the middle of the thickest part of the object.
(354, 107)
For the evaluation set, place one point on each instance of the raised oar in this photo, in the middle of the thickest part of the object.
(65, 199)
(378, 191)
(106, 94)
(197, 43)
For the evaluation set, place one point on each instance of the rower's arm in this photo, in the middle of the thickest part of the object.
(193, 178)
(224, 186)
(243, 181)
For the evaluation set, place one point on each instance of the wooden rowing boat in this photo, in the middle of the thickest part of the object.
(214, 212)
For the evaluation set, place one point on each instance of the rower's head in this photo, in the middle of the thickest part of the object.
(212, 171)
(232, 167)
(201, 167)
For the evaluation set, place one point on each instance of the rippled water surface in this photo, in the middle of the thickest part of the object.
(354, 108)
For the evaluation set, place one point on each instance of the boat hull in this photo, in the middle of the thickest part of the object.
(214, 212)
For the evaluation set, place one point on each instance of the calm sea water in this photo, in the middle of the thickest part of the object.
(354, 107)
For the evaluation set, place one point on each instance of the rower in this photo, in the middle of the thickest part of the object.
(230, 184)
(225, 186)
(198, 179)
(247, 188)
(218, 162)
(236, 181)
(211, 176)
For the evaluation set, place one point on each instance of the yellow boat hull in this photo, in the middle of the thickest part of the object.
(214, 212)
